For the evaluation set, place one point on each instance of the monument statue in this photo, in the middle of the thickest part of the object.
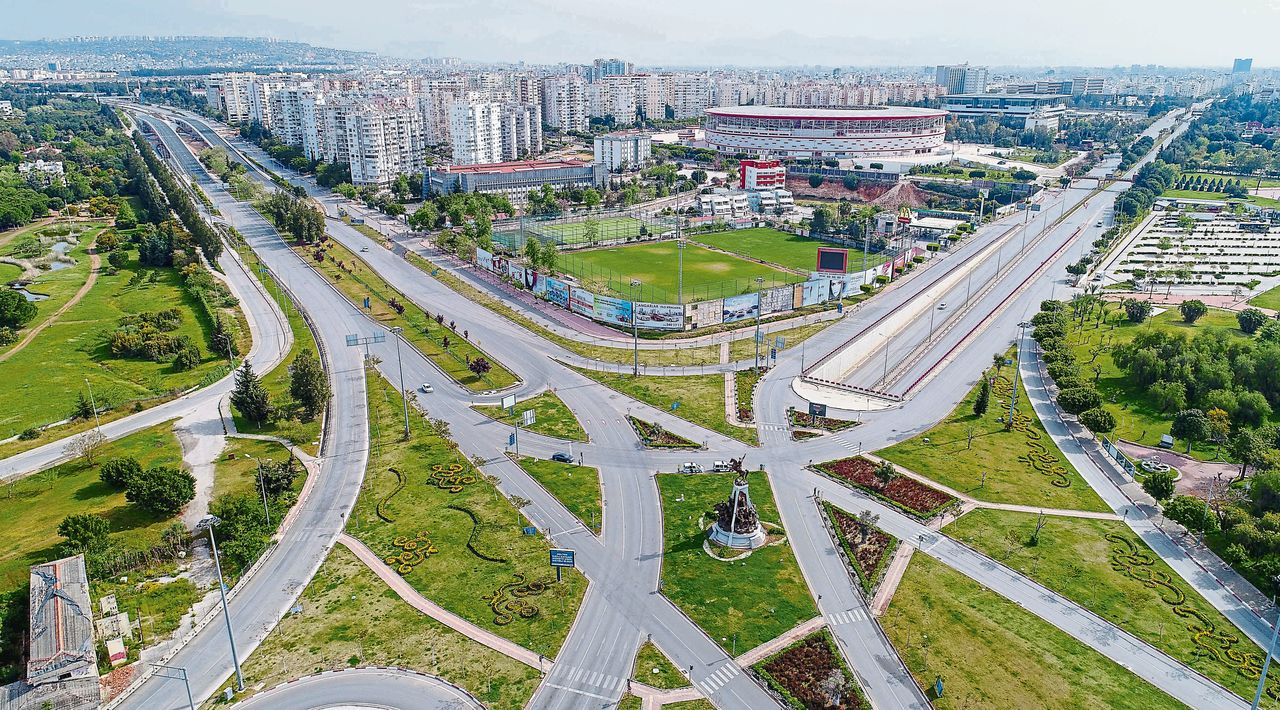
(737, 522)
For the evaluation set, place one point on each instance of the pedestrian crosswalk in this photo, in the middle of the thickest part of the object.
(852, 446)
(716, 680)
(847, 617)
(773, 427)
(582, 680)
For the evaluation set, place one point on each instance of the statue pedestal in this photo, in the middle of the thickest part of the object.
(740, 541)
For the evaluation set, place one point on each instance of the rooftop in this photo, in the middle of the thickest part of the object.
(62, 641)
(837, 113)
(513, 166)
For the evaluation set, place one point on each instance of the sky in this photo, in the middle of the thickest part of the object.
(707, 32)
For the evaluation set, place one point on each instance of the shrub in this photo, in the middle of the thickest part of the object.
(1098, 420)
(118, 472)
(1251, 319)
(161, 490)
(1079, 399)
(1159, 485)
(1192, 310)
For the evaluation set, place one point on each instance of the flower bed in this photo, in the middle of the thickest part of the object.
(744, 386)
(804, 419)
(810, 675)
(801, 435)
(869, 558)
(906, 494)
(655, 436)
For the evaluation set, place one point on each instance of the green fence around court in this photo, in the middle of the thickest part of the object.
(584, 229)
(611, 282)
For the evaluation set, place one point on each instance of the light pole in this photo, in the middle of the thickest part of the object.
(1266, 664)
(262, 485)
(181, 675)
(1017, 366)
(208, 523)
(680, 261)
(97, 425)
(759, 283)
(866, 239)
(635, 332)
(396, 331)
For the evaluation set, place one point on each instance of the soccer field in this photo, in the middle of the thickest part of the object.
(576, 232)
(775, 247)
(707, 274)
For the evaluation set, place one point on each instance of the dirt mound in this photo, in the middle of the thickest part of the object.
(903, 193)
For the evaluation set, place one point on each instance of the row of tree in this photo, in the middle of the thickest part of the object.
(209, 241)
(295, 215)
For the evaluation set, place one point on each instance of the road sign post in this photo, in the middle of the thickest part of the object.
(560, 559)
(817, 409)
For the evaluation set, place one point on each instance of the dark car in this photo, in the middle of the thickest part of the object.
(562, 457)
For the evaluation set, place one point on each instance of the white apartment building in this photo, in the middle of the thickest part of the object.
(618, 151)
(286, 107)
(690, 95)
(475, 131)
(521, 130)
(384, 141)
(230, 95)
(564, 102)
(260, 100)
(614, 96)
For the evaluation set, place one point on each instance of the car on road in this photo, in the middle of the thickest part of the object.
(426, 388)
(721, 467)
(562, 457)
(690, 467)
(1098, 223)
(364, 249)
(942, 306)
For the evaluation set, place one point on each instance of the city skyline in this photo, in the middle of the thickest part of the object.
(664, 33)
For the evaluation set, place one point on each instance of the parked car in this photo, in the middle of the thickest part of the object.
(690, 467)
(561, 457)
(721, 467)
(426, 388)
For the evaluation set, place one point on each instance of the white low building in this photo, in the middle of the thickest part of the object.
(721, 202)
(622, 151)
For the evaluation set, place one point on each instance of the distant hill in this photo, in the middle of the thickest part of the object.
(163, 54)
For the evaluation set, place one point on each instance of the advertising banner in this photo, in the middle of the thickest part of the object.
(814, 292)
(738, 308)
(776, 299)
(515, 272)
(837, 289)
(557, 292)
(706, 313)
(660, 316)
(535, 282)
(499, 265)
(484, 259)
(582, 301)
(612, 310)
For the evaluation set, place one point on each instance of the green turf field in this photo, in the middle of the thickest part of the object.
(788, 250)
(707, 274)
(606, 228)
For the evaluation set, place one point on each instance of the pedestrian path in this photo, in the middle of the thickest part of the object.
(710, 684)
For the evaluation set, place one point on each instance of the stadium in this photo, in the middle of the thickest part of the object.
(806, 132)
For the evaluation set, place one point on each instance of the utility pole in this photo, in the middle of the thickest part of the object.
(866, 238)
(680, 261)
(96, 424)
(759, 283)
(635, 332)
(404, 395)
(1017, 367)
(262, 485)
(1266, 664)
(208, 523)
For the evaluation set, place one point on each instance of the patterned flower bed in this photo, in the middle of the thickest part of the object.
(654, 435)
(801, 435)
(906, 494)
(868, 557)
(804, 419)
(810, 675)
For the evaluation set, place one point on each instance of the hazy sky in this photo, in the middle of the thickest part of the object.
(672, 32)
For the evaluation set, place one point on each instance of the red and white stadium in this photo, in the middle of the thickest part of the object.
(806, 132)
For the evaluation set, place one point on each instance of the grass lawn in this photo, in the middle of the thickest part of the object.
(478, 557)
(59, 285)
(553, 417)
(304, 434)
(654, 669)
(350, 618)
(357, 281)
(9, 272)
(776, 247)
(991, 653)
(745, 348)
(1268, 299)
(1137, 419)
(577, 487)
(949, 458)
(701, 398)
(43, 380)
(632, 702)
(158, 606)
(236, 469)
(1197, 195)
(606, 228)
(1075, 558)
(748, 600)
(707, 274)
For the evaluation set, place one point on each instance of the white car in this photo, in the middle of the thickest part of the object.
(690, 467)
(942, 306)
(364, 249)
(426, 388)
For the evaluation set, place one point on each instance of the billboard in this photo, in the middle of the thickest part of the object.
(706, 313)
(833, 261)
(838, 289)
(515, 272)
(660, 316)
(557, 292)
(777, 299)
(582, 301)
(612, 310)
(484, 259)
(738, 308)
(535, 282)
(814, 292)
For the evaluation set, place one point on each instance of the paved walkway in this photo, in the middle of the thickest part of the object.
(406, 592)
(772, 646)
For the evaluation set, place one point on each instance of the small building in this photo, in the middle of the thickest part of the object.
(722, 202)
(1029, 110)
(62, 638)
(771, 201)
(513, 179)
(43, 172)
(623, 150)
(761, 174)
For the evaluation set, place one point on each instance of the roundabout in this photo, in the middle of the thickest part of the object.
(361, 688)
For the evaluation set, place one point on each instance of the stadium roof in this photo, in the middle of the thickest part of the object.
(835, 113)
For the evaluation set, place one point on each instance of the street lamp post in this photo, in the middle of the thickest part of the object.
(1266, 664)
(1017, 366)
(759, 283)
(635, 332)
(262, 485)
(97, 425)
(680, 269)
(181, 675)
(397, 330)
(208, 523)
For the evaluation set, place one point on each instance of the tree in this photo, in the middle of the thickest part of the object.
(531, 249)
(815, 180)
(85, 532)
(1191, 513)
(117, 472)
(15, 310)
(1192, 310)
(850, 182)
(1098, 420)
(87, 445)
(277, 477)
(997, 360)
(425, 217)
(885, 473)
(1252, 408)
(867, 522)
(1219, 424)
(161, 490)
(118, 259)
(984, 397)
(308, 385)
(698, 176)
(1251, 319)
(590, 231)
(591, 198)
(1169, 396)
(1079, 399)
(550, 255)
(479, 366)
(1159, 485)
(1248, 447)
(249, 397)
(1135, 310)
(1191, 425)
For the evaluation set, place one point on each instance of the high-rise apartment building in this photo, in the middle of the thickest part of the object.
(230, 94)
(475, 132)
(962, 78)
(521, 131)
(601, 68)
(564, 102)
(690, 95)
(384, 141)
(260, 99)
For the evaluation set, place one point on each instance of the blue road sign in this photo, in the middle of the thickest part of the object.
(530, 530)
(366, 303)
(937, 687)
(511, 439)
(561, 558)
(773, 353)
(675, 406)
